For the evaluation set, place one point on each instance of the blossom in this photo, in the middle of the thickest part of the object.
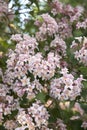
(57, 7)
(59, 45)
(16, 37)
(3, 7)
(76, 13)
(44, 68)
(64, 28)
(48, 27)
(21, 128)
(81, 53)
(25, 120)
(39, 113)
(60, 125)
(73, 12)
(82, 24)
(36, 112)
(20, 62)
(65, 87)
(5, 11)
(84, 125)
(10, 124)
(78, 108)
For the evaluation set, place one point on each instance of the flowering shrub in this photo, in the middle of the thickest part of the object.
(44, 83)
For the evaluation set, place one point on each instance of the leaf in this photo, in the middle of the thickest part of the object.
(83, 70)
(41, 96)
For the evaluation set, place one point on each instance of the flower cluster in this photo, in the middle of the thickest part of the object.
(82, 24)
(59, 45)
(3, 7)
(60, 125)
(18, 66)
(44, 68)
(73, 13)
(23, 61)
(66, 87)
(80, 48)
(84, 125)
(48, 27)
(64, 28)
(10, 124)
(5, 11)
(36, 112)
(7, 103)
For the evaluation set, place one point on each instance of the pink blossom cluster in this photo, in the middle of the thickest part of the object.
(5, 11)
(64, 28)
(84, 125)
(26, 117)
(50, 26)
(23, 60)
(7, 102)
(66, 87)
(80, 49)
(59, 45)
(68, 10)
(60, 125)
(47, 27)
(69, 15)
(10, 125)
(36, 112)
(82, 24)
(44, 68)
(32, 118)
(21, 63)
(3, 7)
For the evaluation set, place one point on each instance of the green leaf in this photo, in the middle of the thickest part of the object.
(41, 96)
(83, 70)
